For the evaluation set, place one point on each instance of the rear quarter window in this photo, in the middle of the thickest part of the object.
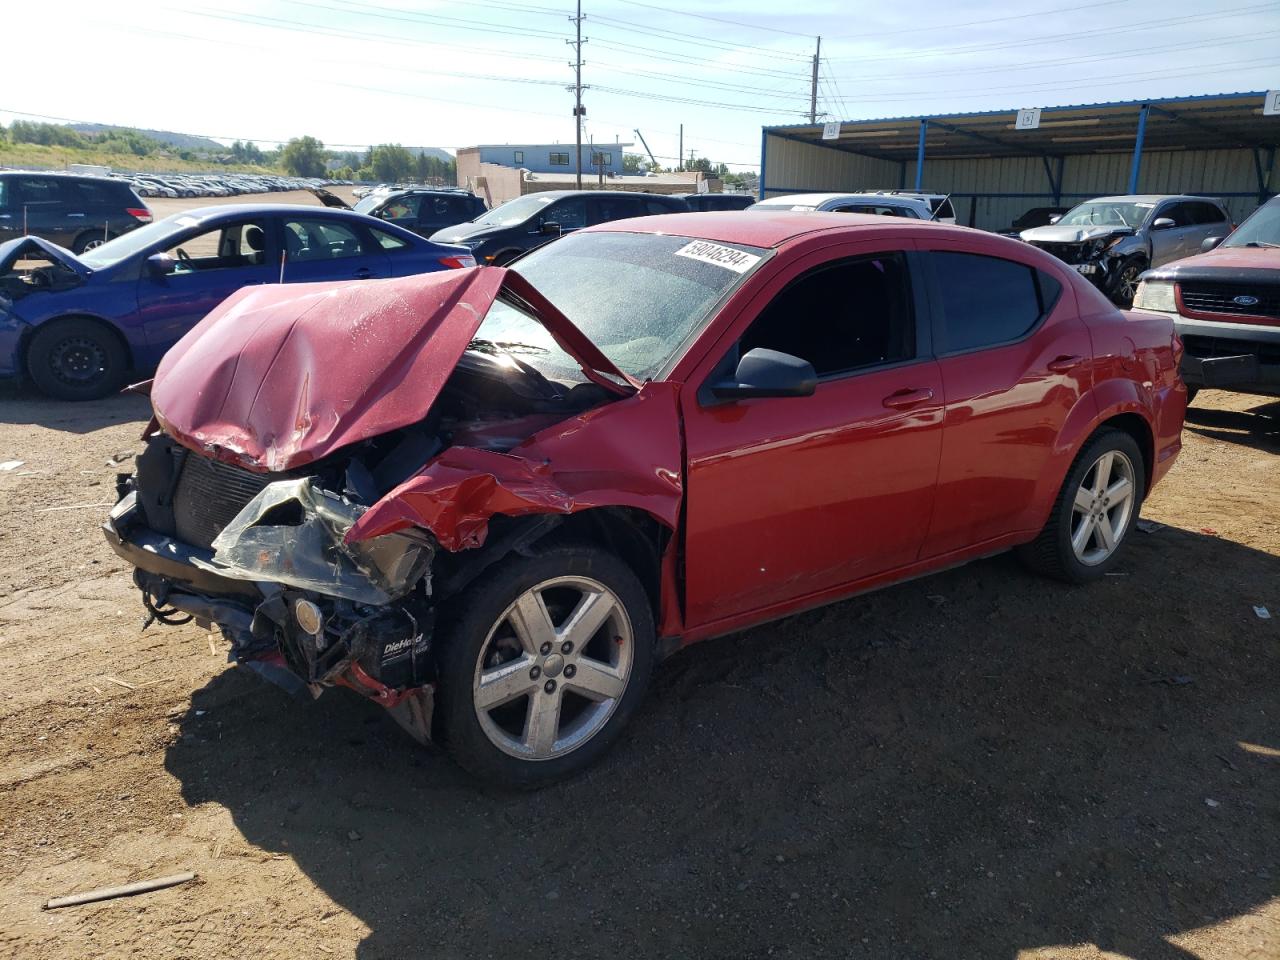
(987, 301)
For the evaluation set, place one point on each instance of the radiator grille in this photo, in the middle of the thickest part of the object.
(208, 497)
(1202, 297)
(1066, 252)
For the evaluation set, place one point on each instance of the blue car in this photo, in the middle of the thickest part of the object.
(78, 326)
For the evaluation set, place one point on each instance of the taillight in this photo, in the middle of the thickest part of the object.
(457, 263)
(141, 214)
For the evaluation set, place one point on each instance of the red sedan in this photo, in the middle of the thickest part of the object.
(492, 499)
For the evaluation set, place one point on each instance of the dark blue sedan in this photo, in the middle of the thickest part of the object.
(77, 326)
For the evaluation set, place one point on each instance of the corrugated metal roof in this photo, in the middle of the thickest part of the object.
(1210, 121)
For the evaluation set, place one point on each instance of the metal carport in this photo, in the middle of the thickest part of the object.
(1220, 145)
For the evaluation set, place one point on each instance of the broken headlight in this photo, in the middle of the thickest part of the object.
(1155, 295)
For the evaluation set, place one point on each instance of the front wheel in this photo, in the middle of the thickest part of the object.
(1095, 512)
(77, 359)
(542, 665)
(1124, 286)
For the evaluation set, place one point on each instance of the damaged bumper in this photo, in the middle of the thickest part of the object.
(298, 605)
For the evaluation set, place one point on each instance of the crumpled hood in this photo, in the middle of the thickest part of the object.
(277, 377)
(1059, 234)
(11, 251)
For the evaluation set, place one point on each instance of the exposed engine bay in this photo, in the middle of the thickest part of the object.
(264, 556)
(36, 274)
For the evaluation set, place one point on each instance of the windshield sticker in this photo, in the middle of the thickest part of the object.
(187, 222)
(726, 257)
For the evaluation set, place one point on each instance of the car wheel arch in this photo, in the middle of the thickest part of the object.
(24, 344)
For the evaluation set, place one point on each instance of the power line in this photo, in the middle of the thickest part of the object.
(683, 59)
(676, 37)
(1036, 41)
(734, 23)
(976, 23)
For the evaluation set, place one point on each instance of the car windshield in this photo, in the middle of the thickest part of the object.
(1262, 229)
(515, 211)
(638, 297)
(1107, 213)
(127, 244)
(366, 204)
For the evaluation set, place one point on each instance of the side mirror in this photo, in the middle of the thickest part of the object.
(161, 264)
(1054, 219)
(1210, 243)
(768, 373)
(1163, 223)
(550, 228)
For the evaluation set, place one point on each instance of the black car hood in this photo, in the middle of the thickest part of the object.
(11, 251)
(465, 231)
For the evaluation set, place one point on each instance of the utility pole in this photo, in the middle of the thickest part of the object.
(813, 87)
(680, 151)
(578, 110)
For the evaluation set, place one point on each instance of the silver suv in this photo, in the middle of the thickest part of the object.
(1112, 240)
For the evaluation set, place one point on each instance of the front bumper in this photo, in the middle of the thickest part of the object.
(1243, 357)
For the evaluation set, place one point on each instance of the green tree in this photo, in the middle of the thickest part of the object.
(391, 162)
(303, 157)
(633, 163)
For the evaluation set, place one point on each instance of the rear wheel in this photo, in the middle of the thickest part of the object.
(543, 664)
(1095, 511)
(89, 241)
(1191, 394)
(77, 359)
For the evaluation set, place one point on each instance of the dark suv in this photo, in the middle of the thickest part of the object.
(526, 222)
(78, 213)
(702, 202)
(422, 211)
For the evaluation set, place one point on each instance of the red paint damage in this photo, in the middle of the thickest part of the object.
(267, 380)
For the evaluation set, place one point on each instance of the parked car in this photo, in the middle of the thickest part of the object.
(77, 326)
(422, 210)
(75, 212)
(1112, 240)
(526, 222)
(543, 479)
(1035, 217)
(939, 203)
(871, 203)
(703, 202)
(1226, 306)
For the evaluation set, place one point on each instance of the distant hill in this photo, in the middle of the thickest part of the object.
(436, 152)
(183, 141)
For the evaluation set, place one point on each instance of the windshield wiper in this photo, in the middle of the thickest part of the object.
(1262, 243)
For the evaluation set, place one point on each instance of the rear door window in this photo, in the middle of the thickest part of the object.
(942, 209)
(986, 301)
(1206, 213)
(37, 190)
(606, 209)
(307, 239)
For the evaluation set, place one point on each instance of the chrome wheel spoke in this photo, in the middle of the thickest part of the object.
(531, 622)
(1119, 492)
(505, 683)
(542, 723)
(585, 621)
(1106, 536)
(1084, 501)
(596, 680)
(1084, 533)
(1102, 473)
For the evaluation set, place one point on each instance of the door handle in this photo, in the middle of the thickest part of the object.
(907, 398)
(1065, 364)
(362, 274)
(77, 215)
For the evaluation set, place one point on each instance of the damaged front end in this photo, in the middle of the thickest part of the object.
(1094, 252)
(319, 520)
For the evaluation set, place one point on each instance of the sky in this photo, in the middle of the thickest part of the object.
(427, 73)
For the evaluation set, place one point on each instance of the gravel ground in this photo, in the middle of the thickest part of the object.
(977, 764)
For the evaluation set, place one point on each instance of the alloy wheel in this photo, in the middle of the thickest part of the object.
(553, 668)
(1129, 282)
(1103, 508)
(92, 245)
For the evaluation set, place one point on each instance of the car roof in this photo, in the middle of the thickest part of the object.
(600, 193)
(225, 209)
(1146, 198)
(756, 228)
(817, 199)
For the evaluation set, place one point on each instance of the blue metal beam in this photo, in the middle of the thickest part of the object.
(1136, 167)
(924, 130)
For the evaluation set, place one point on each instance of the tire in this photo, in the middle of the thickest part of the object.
(1125, 284)
(499, 741)
(1191, 394)
(77, 359)
(1053, 553)
(87, 241)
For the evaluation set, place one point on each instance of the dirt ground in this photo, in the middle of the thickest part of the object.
(977, 764)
